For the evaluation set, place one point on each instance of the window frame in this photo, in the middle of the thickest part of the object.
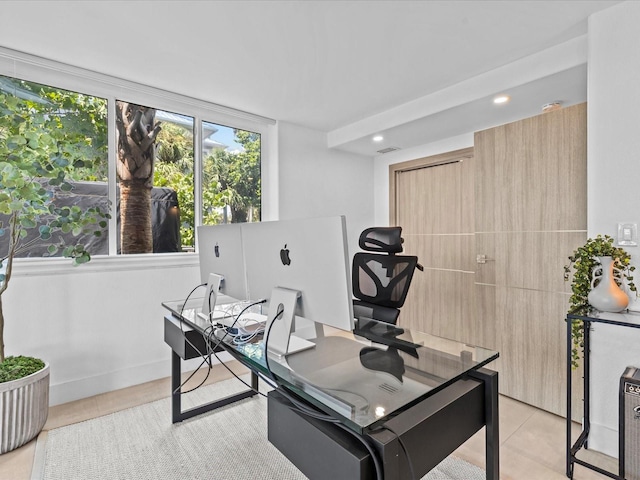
(59, 75)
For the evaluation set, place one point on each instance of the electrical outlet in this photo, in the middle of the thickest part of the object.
(628, 234)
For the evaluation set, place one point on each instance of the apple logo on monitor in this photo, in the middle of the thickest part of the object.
(284, 255)
(216, 250)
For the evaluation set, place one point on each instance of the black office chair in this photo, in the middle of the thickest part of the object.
(381, 279)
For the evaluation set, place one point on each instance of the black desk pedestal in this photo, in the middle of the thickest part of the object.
(430, 431)
(319, 449)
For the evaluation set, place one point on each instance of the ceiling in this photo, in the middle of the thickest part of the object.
(342, 67)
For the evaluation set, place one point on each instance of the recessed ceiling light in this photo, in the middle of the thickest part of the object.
(378, 138)
(501, 99)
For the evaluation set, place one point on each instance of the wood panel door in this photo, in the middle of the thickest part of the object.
(518, 200)
(432, 199)
(530, 214)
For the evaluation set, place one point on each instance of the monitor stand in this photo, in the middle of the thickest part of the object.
(281, 341)
(211, 296)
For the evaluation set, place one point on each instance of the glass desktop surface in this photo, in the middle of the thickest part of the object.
(226, 307)
(361, 377)
(628, 318)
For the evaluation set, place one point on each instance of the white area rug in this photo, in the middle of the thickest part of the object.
(141, 443)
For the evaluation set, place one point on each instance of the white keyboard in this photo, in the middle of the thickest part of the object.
(248, 319)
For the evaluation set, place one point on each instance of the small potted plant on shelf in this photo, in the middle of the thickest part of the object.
(36, 161)
(584, 260)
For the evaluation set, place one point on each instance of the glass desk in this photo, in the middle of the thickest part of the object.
(370, 377)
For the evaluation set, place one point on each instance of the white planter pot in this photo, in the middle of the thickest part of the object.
(24, 407)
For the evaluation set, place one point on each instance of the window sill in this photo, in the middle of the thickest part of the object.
(62, 266)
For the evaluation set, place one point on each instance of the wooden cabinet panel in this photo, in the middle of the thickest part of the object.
(526, 327)
(533, 173)
(432, 200)
(518, 198)
(526, 259)
(530, 215)
(436, 199)
(441, 302)
(531, 339)
(453, 252)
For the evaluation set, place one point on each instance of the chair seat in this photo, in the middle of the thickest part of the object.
(377, 312)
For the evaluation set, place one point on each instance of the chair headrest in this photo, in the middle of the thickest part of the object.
(381, 239)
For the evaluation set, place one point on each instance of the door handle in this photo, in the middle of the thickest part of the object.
(482, 259)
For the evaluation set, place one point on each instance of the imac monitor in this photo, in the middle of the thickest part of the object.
(220, 252)
(303, 263)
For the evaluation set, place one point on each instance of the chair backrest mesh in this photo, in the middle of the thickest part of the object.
(382, 279)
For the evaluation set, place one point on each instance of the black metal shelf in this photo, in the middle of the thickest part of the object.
(587, 317)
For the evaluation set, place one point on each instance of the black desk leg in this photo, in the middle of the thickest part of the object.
(176, 397)
(177, 415)
(492, 423)
(569, 455)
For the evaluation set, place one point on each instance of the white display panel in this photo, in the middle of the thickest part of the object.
(220, 251)
(307, 255)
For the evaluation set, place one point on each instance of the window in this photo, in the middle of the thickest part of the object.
(230, 175)
(154, 165)
(155, 149)
(203, 161)
(60, 138)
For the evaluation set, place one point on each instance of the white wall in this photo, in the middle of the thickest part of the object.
(613, 192)
(316, 182)
(99, 325)
(614, 117)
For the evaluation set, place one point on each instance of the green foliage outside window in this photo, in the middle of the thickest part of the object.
(39, 156)
(77, 121)
(233, 179)
(76, 126)
(174, 169)
(229, 178)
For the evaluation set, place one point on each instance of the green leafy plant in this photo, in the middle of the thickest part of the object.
(37, 159)
(583, 260)
(14, 368)
(233, 178)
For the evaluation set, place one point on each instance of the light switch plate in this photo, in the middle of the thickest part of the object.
(628, 234)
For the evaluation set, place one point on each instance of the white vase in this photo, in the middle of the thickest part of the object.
(605, 294)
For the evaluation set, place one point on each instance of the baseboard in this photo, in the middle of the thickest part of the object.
(603, 439)
(107, 382)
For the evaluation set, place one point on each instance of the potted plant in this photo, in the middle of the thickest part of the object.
(584, 260)
(37, 159)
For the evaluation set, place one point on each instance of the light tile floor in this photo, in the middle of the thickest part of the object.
(532, 442)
